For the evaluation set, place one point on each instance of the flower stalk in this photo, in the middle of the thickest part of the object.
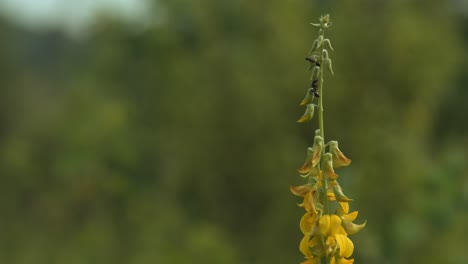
(327, 221)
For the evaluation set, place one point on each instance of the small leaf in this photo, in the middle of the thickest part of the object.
(316, 25)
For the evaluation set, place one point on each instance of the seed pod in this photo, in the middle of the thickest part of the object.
(308, 114)
(328, 63)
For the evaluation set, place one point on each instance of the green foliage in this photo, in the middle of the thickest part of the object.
(174, 144)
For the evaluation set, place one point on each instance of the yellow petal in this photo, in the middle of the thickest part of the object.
(345, 244)
(307, 163)
(309, 203)
(318, 145)
(328, 167)
(344, 207)
(313, 242)
(307, 223)
(330, 242)
(324, 225)
(351, 216)
(300, 190)
(304, 247)
(339, 159)
(335, 225)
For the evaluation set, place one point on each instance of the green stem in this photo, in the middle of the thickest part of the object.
(322, 134)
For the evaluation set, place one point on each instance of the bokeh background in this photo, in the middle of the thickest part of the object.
(164, 131)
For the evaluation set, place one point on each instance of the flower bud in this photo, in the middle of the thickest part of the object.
(328, 167)
(308, 162)
(327, 41)
(324, 54)
(308, 114)
(315, 73)
(339, 195)
(315, 46)
(328, 63)
(316, 25)
(318, 145)
(307, 99)
(352, 228)
(320, 41)
(339, 159)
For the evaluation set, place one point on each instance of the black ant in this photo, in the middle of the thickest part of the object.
(313, 60)
(314, 88)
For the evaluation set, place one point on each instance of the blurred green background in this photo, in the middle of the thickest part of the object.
(164, 131)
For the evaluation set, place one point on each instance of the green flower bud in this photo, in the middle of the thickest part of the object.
(308, 114)
(352, 228)
(316, 25)
(328, 167)
(307, 99)
(315, 73)
(315, 46)
(318, 146)
(320, 41)
(339, 195)
(327, 41)
(324, 54)
(328, 63)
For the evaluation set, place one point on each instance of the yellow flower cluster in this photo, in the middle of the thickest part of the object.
(325, 235)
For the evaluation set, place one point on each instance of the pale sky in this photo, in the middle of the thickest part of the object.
(73, 15)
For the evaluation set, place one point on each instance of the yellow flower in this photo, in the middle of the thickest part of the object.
(308, 192)
(304, 247)
(313, 156)
(336, 237)
(339, 159)
(308, 223)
